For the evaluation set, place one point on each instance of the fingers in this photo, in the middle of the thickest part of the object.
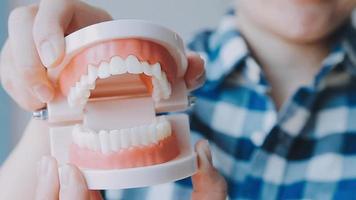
(48, 182)
(195, 75)
(207, 182)
(48, 31)
(56, 18)
(21, 62)
(73, 185)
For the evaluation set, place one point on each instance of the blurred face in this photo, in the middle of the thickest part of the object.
(297, 20)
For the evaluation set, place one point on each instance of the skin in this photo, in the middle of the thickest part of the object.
(298, 31)
(36, 40)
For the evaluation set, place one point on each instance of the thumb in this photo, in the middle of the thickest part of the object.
(73, 185)
(207, 182)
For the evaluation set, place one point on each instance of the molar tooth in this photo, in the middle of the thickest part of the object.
(104, 71)
(125, 138)
(156, 70)
(104, 141)
(146, 68)
(92, 74)
(117, 66)
(115, 140)
(133, 65)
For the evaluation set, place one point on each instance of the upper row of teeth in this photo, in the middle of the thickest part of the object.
(115, 140)
(79, 94)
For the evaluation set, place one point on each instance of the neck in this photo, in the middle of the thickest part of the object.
(287, 65)
(272, 50)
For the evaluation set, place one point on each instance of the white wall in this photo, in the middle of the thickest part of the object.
(184, 16)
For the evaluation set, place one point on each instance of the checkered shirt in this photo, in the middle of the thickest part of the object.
(306, 150)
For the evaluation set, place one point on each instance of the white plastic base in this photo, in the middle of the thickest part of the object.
(183, 166)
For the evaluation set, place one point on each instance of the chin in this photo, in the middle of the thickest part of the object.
(298, 20)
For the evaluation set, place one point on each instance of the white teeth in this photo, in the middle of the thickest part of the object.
(104, 70)
(156, 70)
(147, 68)
(80, 93)
(115, 140)
(104, 142)
(92, 74)
(117, 66)
(125, 138)
(133, 65)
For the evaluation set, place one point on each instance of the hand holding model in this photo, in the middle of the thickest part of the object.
(36, 35)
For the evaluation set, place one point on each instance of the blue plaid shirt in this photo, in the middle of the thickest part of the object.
(305, 150)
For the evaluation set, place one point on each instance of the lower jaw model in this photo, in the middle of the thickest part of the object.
(120, 71)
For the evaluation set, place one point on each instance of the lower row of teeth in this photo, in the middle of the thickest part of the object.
(115, 140)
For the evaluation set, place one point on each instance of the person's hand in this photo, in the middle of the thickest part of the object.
(208, 184)
(69, 184)
(36, 41)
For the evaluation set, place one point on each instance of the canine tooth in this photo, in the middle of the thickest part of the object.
(156, 94)
(84, 82)
(104, 71)
(92, 74)
(125, 138)
(104, 141)
(133, 65)
(160, 131)
(117, 66)
(156, 70)
(114, 140)
(146, 68)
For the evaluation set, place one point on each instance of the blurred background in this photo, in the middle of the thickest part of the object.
(184, 16)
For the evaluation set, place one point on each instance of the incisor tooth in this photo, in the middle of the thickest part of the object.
(117, 66)
(114, 140)
(104, 141)
(125, 138)
(133, 65)
(135, 134)
(104, 71)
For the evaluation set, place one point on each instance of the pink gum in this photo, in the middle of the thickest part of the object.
(144, 50)
(162, 152)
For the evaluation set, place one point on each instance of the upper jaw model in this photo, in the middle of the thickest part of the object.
(116, 78)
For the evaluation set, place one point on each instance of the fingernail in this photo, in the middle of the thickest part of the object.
(48, 53)
(43, 92)
(205, 153)
(65, 173)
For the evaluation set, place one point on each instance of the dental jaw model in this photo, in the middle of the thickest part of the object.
(116, 79)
